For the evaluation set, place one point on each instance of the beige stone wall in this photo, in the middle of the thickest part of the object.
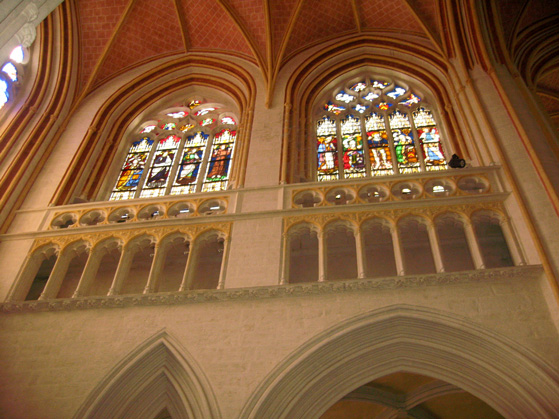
(53, 360)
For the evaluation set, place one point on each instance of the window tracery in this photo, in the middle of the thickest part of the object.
(187, 149)
(376, 128)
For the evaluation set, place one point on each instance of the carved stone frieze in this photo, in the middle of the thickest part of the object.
(358, 217)
(527, 272)
(157, 232)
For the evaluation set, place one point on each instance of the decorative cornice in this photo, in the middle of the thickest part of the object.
(528, 272)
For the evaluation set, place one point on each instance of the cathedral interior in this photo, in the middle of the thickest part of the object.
(279, 209)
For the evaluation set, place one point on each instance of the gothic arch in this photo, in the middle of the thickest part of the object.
(411, 63)
(159, 374)
(510, 378)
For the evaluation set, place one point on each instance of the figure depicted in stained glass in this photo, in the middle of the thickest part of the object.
(429, 139)
(353, 154)
(404, 147)
(131, 172)
(219, 164)
(379, 151)
(132, 169)
(160, 169)
(218, 167)
(327, 155)
(190, 165)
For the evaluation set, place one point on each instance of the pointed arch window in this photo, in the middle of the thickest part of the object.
(186, 149)
(376, 127)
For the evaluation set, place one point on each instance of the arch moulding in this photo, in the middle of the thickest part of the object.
(511, 379)
(157, 375)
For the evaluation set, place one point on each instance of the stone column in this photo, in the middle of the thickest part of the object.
(156, 266)
(57, 275)
(25, 278)
(224, 259)
(360, 255)
(286, 252)
(435, 249)
(322, 262)
(397, 250)
(473, 245)
(187, 276)
(89, 272)
(122, 269)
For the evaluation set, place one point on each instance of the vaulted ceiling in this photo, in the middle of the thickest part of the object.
(116, 35)
(530, 30)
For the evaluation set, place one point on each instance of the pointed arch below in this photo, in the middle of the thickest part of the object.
(157, 375)
(511, 379)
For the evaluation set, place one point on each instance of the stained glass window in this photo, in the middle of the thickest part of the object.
(352, 143)
(430, 140)
(413, 99)
(344, 97)
(204, 111)
(360, 108)
(169, 126)
(17, 54)
(4, 95)
(178, 115)
(379, 150)
(357, 87)
(148, 128)
(371, 96)
(327, 145)
(397, 92)
(132, 170)
(379, 84)
(189, 167)
(10, 76)
(186, 127)
(218, 166)
(227, 120)
(10, 70)
(207, 121)
(179, 160)
(160, 167)
(335, 109)
(401, 136)
(404, 144)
